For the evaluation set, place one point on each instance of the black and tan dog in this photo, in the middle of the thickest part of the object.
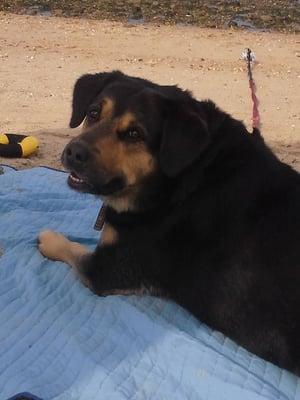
(197, 210)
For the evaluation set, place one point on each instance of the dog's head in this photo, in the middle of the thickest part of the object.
(133, 131)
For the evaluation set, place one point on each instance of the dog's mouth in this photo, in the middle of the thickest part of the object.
(79, 184)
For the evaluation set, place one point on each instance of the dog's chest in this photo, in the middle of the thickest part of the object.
(109, 235)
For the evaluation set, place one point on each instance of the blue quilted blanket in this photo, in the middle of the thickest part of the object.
(59, 341)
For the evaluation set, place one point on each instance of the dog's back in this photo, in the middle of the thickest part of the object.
(246, 227)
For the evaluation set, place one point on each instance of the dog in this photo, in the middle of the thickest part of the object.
(197, 210)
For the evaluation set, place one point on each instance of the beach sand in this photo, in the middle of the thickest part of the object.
(41, 57)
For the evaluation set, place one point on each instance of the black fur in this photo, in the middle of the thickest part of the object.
(219, 230)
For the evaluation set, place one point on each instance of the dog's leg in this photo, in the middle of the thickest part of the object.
(127, 268)
(110, 269)
(57, 247)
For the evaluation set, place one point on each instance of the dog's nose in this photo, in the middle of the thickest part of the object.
(76, 154)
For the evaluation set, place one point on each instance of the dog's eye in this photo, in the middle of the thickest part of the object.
(93, 113)
(132, 135)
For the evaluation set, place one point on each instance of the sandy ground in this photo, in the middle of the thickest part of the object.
(40, 59)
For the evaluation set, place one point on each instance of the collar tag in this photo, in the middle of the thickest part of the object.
(100, 219)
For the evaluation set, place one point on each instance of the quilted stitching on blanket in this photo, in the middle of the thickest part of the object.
(59, 341)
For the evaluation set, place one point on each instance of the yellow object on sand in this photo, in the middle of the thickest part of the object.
(4, 139)
(12, 145)
(29, 145)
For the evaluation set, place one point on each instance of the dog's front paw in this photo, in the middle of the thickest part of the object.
(52, 245)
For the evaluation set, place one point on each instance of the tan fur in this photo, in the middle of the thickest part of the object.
(107, 109)
(135, 164)
(120, 204)
(124, 201)
(125, 121)
(57, 247)
(131, 160)
(116, 157)
(109, 235)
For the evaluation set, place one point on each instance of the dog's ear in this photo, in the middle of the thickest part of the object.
(86, 90)
(185, 137)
